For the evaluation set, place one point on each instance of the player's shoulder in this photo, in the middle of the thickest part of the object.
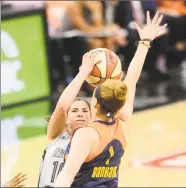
(87, 133)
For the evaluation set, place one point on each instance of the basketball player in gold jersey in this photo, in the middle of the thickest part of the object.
(95, 151)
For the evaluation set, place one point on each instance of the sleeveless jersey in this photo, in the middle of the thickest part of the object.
(53, 160)
(100, 169)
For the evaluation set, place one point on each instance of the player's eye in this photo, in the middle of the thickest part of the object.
(74, 111)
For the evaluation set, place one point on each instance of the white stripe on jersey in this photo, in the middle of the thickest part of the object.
(53, 160)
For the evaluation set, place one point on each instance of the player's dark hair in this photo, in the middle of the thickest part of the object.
(76, 99)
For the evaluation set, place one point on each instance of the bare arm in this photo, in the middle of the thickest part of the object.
(131, 79)
(57, 122)
(84, 137)
(150, 31)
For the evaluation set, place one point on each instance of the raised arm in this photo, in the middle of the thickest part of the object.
(149, 32)
(57, 122)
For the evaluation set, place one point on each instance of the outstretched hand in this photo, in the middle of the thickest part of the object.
(152, 27)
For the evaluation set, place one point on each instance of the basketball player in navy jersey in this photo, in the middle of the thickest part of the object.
(94, 155)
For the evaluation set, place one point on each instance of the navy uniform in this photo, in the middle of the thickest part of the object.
(101, 168)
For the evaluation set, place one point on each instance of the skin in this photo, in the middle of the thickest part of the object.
(87, 137)
(57, 123)
(78, 116)
(17, 181)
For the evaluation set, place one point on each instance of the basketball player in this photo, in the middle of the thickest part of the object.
(95, 151)
(71, 111)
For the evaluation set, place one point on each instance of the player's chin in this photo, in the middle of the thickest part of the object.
(80, 124)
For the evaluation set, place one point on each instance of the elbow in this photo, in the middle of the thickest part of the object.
(128, 116)
(125, 116)
(50, 136)
(61, 108)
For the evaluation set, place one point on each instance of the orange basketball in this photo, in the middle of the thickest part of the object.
(109, 67)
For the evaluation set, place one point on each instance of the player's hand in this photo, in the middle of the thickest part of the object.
(17, 181)
(88, 62)
(152, 27)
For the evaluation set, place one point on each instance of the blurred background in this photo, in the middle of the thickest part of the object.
(42, 43)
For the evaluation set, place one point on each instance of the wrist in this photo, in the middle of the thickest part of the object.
(143, 46)
(83, 74)
(145, 43)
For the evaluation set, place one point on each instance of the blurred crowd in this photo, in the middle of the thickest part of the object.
(109, 24)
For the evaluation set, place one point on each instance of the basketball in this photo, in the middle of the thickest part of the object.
(108, 68)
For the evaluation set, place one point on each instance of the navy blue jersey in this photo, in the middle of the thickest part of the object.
(101, 168)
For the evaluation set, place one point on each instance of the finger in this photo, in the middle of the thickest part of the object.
(21, 180)
(148, 17)
(23, 177)
(15, 179)
(17, 184)
(155, 17)
(85, 55)
(159, 20)
(162, 27)
(90, 55)
(138, 28)
(16, 176)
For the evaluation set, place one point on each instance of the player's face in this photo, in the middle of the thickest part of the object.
(78, 115)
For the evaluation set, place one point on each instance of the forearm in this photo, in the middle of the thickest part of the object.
(131, 79)
(137, 63)
(71, 91)
(64, 180)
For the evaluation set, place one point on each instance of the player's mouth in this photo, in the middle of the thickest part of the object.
(80, 120)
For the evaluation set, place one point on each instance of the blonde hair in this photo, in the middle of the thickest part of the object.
(111, 95)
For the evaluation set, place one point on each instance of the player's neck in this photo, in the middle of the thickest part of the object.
(70, 131)
(102, 117)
